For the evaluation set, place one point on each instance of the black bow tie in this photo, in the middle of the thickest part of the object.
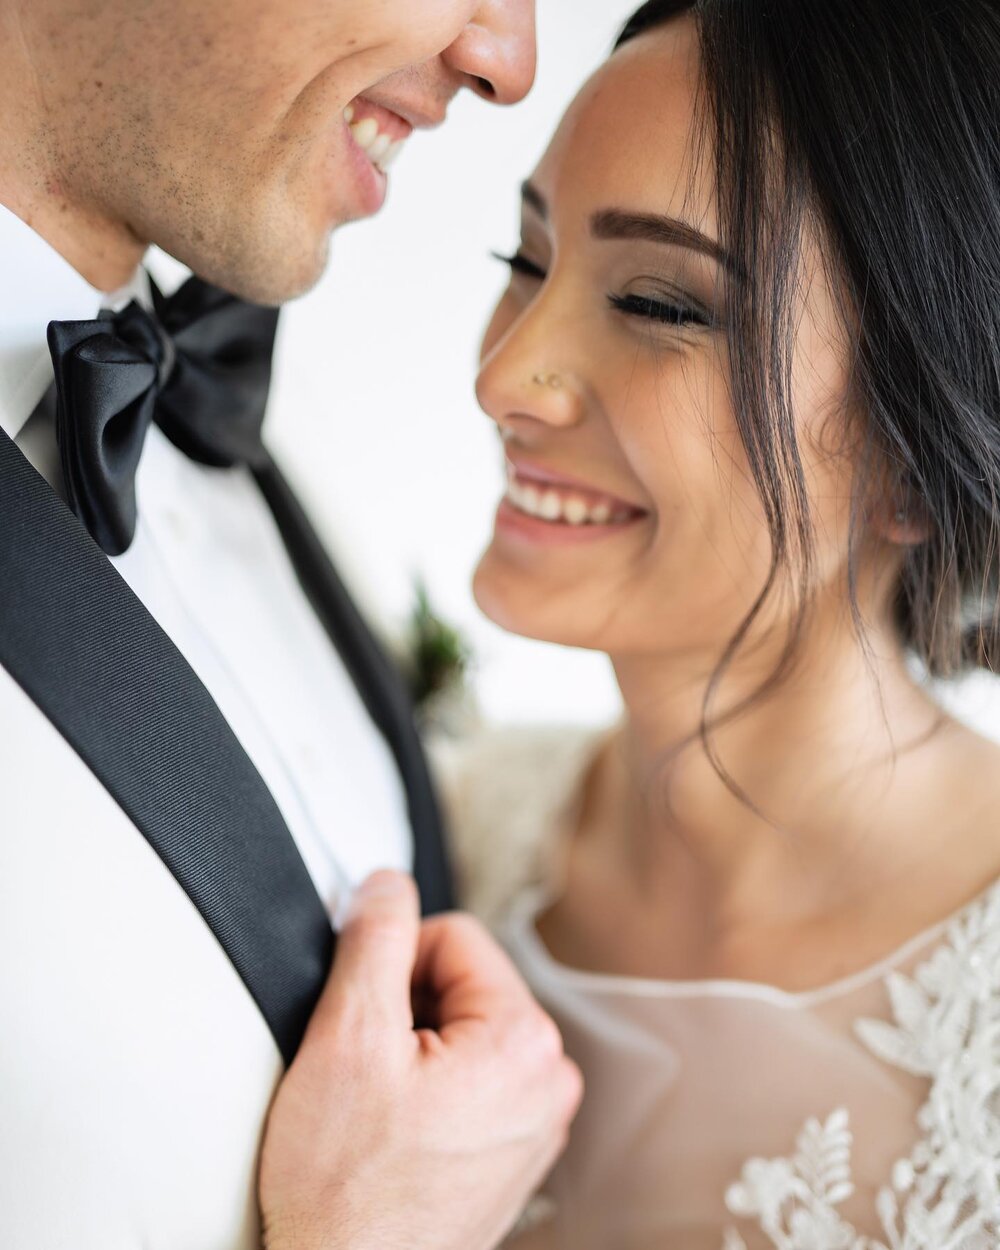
(199, 365)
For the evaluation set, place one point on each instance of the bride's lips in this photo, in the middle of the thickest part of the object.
(375, 137)
(543, 506)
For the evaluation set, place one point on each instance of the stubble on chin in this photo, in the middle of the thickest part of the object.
(262, 249)
(270, 270)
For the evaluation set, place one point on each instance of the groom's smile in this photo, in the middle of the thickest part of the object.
(377, 136)
(237, 136)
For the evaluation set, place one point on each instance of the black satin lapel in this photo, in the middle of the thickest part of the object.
(86, 651)
(376, 678)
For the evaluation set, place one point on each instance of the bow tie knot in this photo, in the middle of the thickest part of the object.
(198, 365)
(145, 334)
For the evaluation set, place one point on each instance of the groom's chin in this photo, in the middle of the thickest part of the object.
(267, 267)
(272, 279)
(263, 237)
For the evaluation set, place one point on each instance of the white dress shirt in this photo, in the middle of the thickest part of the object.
(135, 1068)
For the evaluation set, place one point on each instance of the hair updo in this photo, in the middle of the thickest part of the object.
(878, 120)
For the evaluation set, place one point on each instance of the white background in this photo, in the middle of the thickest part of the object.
(373, 412)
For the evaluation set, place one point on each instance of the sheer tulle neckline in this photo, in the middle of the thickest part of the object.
(522, 931)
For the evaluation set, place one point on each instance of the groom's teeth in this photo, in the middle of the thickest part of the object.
(365, 132)
(392, 152)
(381, 149)
(378, 149)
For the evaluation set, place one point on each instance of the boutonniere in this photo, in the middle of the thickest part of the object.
(438, 662)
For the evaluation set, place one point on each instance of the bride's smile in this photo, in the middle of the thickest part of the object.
(564, 509)
(607, 363)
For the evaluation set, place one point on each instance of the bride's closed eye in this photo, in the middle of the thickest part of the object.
(667, 312)
(519, 263)
(645, 307)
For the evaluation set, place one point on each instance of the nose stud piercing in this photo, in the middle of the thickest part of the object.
(552, 380)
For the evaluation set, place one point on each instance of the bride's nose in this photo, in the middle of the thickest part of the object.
(514, 391)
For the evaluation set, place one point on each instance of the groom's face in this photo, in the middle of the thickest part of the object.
(218, 130)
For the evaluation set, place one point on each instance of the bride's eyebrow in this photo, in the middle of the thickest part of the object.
(616, 223)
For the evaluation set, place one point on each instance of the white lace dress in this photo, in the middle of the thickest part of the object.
(725, 1115)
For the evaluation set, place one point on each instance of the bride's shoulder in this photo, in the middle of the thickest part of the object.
(508, 793)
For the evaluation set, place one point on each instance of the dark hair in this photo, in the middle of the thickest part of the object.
(879, 120)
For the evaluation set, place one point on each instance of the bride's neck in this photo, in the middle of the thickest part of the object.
(806, 794)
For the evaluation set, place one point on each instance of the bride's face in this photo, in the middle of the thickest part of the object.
(606, 370)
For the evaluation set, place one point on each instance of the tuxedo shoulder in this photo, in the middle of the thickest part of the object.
(508, 792)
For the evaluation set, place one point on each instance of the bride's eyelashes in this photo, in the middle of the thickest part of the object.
(645, 307)
(519, 263)
(652, 309)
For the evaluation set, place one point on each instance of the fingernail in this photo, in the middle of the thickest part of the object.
(383, 884)
(385, 881)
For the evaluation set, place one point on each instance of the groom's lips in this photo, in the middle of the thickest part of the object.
(370, 184)
(376, 131)
(370, 132)
(418, 114)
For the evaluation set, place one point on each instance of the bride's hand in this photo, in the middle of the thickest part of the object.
(386, 1137)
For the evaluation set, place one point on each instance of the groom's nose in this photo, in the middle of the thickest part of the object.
(496, 53)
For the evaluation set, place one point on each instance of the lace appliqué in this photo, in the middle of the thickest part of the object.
(946, 1194)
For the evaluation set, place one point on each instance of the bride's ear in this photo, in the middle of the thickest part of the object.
(899, 517)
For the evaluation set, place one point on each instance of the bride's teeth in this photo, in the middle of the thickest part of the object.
(365, 132)
(550, 506)
(575, 511)
(349, 114)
